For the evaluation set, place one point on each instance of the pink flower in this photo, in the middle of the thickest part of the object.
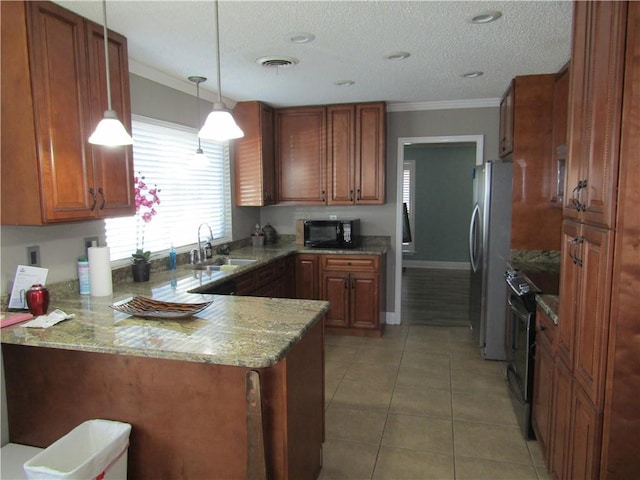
(145, 199)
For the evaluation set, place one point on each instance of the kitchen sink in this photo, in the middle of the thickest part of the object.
(223, 264)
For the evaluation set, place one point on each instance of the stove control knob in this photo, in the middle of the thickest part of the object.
(524, 288)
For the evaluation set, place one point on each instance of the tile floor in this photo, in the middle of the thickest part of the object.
(420, 403)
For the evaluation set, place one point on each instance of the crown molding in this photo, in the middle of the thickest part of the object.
(443, 105)
(185, 86)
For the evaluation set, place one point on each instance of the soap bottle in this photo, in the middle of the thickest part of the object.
(172, 258)
(83, 276)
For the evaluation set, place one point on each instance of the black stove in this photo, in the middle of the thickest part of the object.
(520, 336)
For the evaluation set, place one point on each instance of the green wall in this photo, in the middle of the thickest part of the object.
(443, 201)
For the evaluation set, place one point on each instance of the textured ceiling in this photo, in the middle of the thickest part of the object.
(175, 39)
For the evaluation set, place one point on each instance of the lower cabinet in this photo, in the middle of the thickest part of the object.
(307, 276)
(273, 280)
(352, 284)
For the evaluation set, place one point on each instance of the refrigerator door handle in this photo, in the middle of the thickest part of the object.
(473, 252)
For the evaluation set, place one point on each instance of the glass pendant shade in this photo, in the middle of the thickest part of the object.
(220, 125)
(110, 132)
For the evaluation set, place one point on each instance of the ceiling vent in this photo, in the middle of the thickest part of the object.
(277, 61)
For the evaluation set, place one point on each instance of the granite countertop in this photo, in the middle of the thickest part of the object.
(550, 304)
(253, 332)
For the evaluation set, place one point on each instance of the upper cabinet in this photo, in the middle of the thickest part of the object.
(597, 67)
(535, 223)
(253, 155)
(356, 154)
(54, 95)
(301, 153)
(332, 155)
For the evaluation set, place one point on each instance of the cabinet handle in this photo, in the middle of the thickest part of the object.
(346, 284)
(104, 198)
(358, 197)
(353, 284)
(351, 195)
(95, 199)
(324, 199)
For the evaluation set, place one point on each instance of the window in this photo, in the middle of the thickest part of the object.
(408, 197)
(189, 194)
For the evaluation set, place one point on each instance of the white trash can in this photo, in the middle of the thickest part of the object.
(95, 449)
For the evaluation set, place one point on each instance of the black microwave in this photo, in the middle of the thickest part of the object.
(332, 233)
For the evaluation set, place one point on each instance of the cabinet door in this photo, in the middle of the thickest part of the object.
(335, 287)
(569, 280)
(307, 277)
(364, 300)
(253, 155)
(597, 62)
(584, 452)
(592, 312)
(542, 396)
(560, 420)
(301, 155)
(57, 51)
(559, 136)
(370, 154)
(506, 121)
(341, 132)
(113, 166)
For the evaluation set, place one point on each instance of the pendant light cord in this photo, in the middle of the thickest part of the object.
(218, 51)
(106, 53)
(198, 100)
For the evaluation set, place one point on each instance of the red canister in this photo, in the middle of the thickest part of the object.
(37, 299)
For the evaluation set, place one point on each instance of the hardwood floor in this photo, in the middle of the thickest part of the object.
(435, 297)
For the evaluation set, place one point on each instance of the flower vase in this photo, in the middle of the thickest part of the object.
(141, 271)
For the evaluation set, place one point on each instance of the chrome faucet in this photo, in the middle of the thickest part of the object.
(201, 253)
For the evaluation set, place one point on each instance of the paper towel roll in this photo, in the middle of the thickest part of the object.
(100, 272)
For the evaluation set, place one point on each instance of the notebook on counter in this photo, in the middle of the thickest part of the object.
(10, 318)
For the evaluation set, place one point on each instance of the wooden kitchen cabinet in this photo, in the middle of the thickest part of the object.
(560, 419)
(356, 154)
(535, 223)
(595, 103)
(272, 280)
(307, 274)
(543, 379)
(352, 284)
(586, 279)
(54, 94)
(254, 156)
(505, 144)
(559, 136)
(585, 436)
(301, 154)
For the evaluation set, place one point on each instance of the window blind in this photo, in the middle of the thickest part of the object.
(189, 193)
(408, 197)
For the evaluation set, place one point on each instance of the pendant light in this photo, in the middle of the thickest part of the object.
(220, 125)
(110, 131)
(199, 157)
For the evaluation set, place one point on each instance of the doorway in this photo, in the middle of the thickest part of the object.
(478, 140)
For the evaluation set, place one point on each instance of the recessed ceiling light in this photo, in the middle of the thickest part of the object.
(300, 37)
(475, 74)
(398, 56)
(344, 83)
(486, 17)
(277, 61)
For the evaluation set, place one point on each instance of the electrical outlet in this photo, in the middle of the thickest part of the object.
(333, 216)
(88, 242)
(33, 256)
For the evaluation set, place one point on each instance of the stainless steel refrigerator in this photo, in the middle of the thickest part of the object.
(489, 252)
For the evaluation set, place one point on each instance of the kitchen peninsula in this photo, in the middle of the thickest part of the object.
(185, 386)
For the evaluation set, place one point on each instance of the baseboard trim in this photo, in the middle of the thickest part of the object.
(390, 318)
(437, 265)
